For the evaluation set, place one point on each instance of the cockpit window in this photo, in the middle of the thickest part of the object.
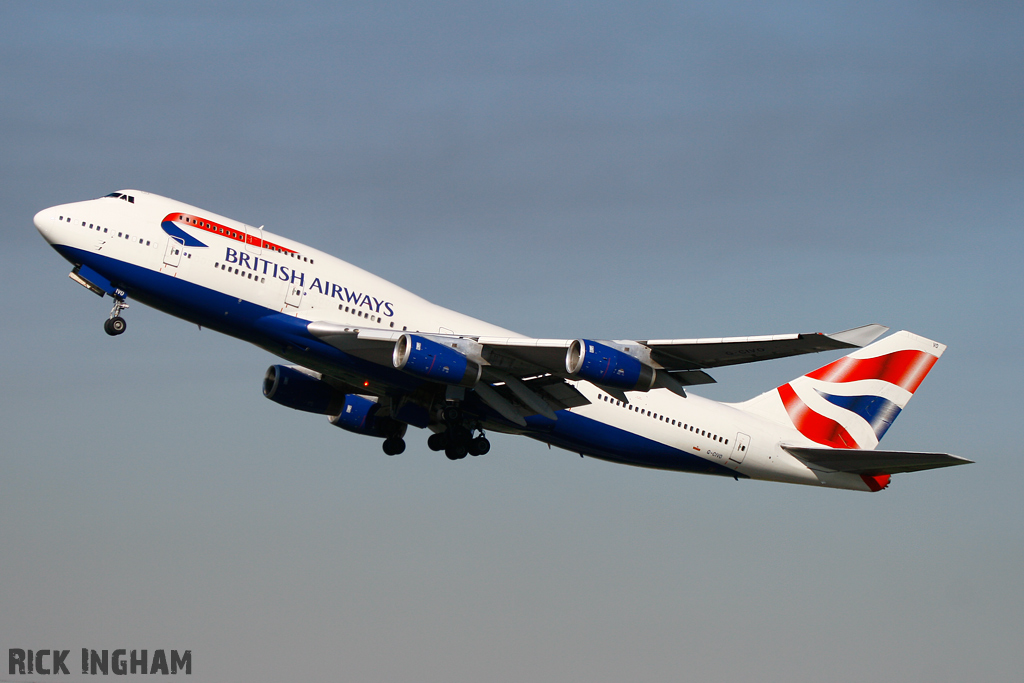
(124, 197)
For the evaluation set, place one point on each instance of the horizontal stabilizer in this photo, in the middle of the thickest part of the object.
(870, 462)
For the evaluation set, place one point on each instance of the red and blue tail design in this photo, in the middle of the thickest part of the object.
(852, 402)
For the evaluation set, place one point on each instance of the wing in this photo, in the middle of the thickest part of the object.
(507, 365)
(872, 463)
(693, 354)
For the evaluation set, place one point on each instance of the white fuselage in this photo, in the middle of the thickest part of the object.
(229, 276)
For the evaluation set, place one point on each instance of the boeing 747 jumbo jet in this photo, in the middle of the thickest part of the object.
(376, 358)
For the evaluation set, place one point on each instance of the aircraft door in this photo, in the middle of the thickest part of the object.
(739, 449)
(172, 255)
(294, 296)
(254, 240)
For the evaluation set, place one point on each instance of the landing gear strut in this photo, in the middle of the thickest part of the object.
(457, 440)
(115, 324)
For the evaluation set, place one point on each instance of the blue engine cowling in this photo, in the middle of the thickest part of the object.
(430, 360)
(610, 367)
(301, 389)
(359, 415)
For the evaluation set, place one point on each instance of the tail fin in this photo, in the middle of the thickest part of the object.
(851, 402)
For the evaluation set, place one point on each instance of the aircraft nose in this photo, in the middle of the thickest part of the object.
(46, 224)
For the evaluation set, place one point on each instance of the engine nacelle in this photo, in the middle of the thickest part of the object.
(301, 389)
(359, 415)
(430, 360)
(610, 367)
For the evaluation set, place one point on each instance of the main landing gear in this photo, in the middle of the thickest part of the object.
(394, 445)
(115, 324)
(457, 440)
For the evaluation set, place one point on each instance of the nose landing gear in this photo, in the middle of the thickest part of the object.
(115, 324)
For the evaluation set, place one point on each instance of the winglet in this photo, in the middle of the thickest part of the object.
(859, 336)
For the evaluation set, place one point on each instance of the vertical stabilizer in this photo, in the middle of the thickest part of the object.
(851, 402)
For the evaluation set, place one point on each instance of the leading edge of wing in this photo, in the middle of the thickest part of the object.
(871, 462)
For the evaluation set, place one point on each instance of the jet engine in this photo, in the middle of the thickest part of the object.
(301, 389)
(603, 365)
(434, 361)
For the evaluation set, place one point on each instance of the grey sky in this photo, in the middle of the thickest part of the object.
(615, 170)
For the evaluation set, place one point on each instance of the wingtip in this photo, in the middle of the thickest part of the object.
(860, 336)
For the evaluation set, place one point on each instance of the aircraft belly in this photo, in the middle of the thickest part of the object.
(575, 432)
(279, 333)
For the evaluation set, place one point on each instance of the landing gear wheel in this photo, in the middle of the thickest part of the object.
(437, 442)
(456, 451)
(479, 446)
(394, 445)
(115, 326)
(451, 415)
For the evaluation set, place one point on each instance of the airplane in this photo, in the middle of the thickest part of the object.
(377, 359)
